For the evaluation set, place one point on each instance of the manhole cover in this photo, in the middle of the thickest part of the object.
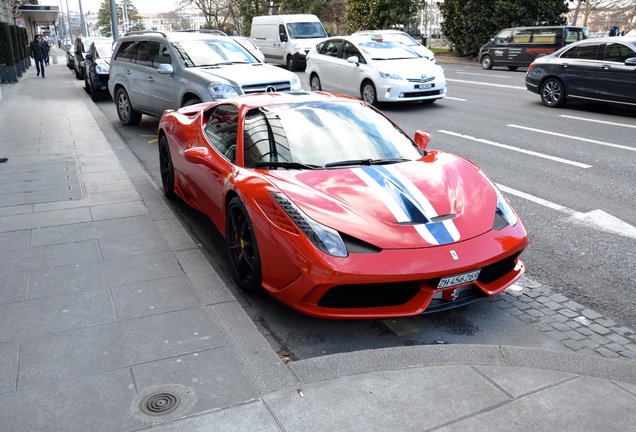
(160, 403)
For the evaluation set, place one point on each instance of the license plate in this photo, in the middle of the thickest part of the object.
(423, 86)
(459, 279)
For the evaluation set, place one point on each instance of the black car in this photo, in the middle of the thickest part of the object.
(593, 70)
(80, 49)
(97, 68)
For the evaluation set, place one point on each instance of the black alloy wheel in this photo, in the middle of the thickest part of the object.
(125, 111)
(166, 169)
(242, 250)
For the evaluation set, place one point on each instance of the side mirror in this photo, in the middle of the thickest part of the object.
(283, 37)
(422, 139)
(165, 68)
(197, 155)
(630, 61)
(353, 59)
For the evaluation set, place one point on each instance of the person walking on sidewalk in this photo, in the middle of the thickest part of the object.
(38, 53)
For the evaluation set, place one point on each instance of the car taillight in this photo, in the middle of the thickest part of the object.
(533, 64)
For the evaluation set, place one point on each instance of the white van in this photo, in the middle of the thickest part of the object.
(286, 39)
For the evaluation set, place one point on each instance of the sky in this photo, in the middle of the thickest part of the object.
(143, 6)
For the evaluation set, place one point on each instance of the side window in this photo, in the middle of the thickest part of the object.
(125, 51)
(522, 36)
(503, 37)
(349, 50)
(573, 35)
(162, 56)
(222, 128)
(544, 36)
(586, 52)
(144, 52)
(264, 138)
(332, 47)
(616, 52)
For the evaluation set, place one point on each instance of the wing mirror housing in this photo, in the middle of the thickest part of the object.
(422, 139)
(197, 155)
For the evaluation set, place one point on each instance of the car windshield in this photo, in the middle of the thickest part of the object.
(212, 52)
(401, 38)
(315, 134)
(387, 50)
(306, 30)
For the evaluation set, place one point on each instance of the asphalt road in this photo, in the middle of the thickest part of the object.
(569, 172)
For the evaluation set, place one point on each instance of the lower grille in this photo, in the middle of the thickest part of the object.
(422, 93)
(369, 295)
(501, 268)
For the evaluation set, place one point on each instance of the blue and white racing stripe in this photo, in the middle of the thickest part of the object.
(407, 203)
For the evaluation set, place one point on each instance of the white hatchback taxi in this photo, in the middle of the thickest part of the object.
(374, 69)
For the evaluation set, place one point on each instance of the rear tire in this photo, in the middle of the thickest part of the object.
(127, 115)
(486, 62)
(553, 93)
(314, 81)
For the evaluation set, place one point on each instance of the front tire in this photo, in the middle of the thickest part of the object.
(166, 169)
(242, 250)
(369, 94)
(192, 101)
(486, 62)
(314, 82)
(513, 68)
(553, 93)
(290, 64)
(127, 115)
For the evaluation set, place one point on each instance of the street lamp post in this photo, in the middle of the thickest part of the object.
(113, 20)
(82, 22)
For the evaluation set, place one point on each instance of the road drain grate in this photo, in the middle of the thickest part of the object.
(160, 403)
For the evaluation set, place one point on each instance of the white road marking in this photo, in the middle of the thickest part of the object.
(487, 84)
(598, 121)
(597, 219)
(483, 74)
(517, 149)
(456, 99)
(622, 147)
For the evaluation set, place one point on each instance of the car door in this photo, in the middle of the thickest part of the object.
(162, 88)
(578, 68)
(351, 73)
(616, 81)
(141, 75)
(329, 64)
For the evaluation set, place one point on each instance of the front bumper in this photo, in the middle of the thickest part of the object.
(404, 91)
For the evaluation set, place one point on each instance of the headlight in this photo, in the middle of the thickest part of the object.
(326, 239)
(220, 90)
(389, 75)
(102, 69)
(504, 209)
(295, 83)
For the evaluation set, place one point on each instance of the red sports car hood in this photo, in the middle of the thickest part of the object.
(439, 199)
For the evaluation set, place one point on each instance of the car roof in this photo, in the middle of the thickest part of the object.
(177, 35)
(378, 31)
(631, 40)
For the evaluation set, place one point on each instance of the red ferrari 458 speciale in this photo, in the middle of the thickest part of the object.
(332, 209)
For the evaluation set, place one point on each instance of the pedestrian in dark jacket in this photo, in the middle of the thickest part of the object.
(38, 53)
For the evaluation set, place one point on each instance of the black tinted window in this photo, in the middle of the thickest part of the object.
(144, 52)
(125, 50)
(616, 52)
(587, 52)
(221, 130)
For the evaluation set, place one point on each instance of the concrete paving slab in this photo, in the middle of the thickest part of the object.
(112, 185)
(33, 172)
(9, 353)
(13, 286)
(91, 230)
(91, 199)
(208, 284)
(96, 349)
(102, 274)
(133, 244)
(20, 221)
(174, 233)
(14, 240)
(96, 403)
(517, 381)
(205, 381)
(389, 400)
(582, 404)
(252, 416)
(154, 297)
(118, 210)
(50, 256)
(56, 314)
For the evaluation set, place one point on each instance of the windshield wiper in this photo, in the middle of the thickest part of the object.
(297, 165)
(366, 162)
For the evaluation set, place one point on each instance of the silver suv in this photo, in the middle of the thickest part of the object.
(152, 71)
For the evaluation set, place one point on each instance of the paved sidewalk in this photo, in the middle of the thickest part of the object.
(111, 319)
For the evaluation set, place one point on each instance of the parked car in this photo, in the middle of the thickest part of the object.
(70, 58)
(248, 44)
(80, 49)
(151, 72)
(97, 68)
(402, 37)
(332, 209)
(519, 46)
(593, 70)
(375, 70)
